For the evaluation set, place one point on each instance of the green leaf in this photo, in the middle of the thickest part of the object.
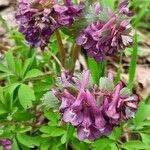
(133, 144)
(113, 147)
(106, 85)
(17, 37)
(10, 61)
(142, 113)
(54, 117)
(96, 69)
(45, 145)
(33, 73)
(133, 63)
(144, 124)
(23, 129)
(41, 86)
(147, 100)
(63, 139)
(27, 140)
(11, 88)
(51, 131)
(101, 143)
(115, 135)
(26, 96)
(70, 131)
(18, 66)
(110, 3)
(8, 101)
(55, 146)
(77, 145)
(4, 75)
(49, 100)
(125, 92)
(27, 64)
(145, 138)
(4, 68)
(23, 116)
(15, 145)
(3, 110)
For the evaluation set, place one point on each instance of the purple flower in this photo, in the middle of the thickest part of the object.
(36, 23)
(67, 14)
(38, 20)
(124, 9)
(6, 144)
(105, 37)
(93, 110)
(119, 108)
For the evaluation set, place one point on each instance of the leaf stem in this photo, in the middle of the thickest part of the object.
(61, 48)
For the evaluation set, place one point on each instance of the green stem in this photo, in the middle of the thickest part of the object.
(75, 55)
(76, 52)
(56, 59)
(133, 63)
(119, 71)
(70, 131)
(61, 48)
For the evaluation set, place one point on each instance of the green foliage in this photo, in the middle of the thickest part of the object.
(26, 96)
(97, 69)
(109, 3)
(133, 63)
(25, 79)
(102, 143)
(134, 145)
(69, 134)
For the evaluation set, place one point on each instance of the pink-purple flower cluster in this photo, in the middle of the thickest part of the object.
(94, 110)
(39, 19)
(6, 144)
(107, 36)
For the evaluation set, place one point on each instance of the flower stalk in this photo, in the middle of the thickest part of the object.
(61, 48)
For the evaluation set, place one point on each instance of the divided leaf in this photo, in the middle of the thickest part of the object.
(106, 85)
(26, 96)
(49, 100)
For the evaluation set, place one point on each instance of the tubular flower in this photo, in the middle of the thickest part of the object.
(6, 144)
(105, 37)
(94, 110)
(39, 19)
